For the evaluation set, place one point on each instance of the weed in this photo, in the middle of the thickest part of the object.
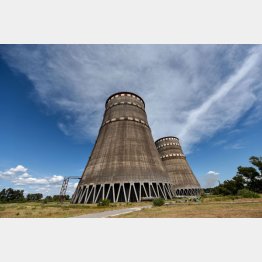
(104, 202)
(158, 202)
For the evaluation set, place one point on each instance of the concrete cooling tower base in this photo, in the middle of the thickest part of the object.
(122, 192)
(187, 191)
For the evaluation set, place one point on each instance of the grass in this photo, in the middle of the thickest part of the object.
(56, 209)
(208, 207)
(211, 207)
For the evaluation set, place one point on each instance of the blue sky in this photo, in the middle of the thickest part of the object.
(52, 103)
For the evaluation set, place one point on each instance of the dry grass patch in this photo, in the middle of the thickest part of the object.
(55, 209)
(240, 208)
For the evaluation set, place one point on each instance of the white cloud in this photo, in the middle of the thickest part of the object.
(13, 171)
(25, 175)
(212, 173)
(211, 179)
(191, 91)
(28, 180)
(56, 179)
(18, 168)
(20, 177)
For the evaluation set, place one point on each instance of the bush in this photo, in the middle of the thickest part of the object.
(247, 193)
(104, 203)
(158, 202)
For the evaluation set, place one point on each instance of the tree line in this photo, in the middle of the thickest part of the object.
(246, 179)
(11, 195)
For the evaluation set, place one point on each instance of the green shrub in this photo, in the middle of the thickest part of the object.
(158, 202)
(104, 203)
(247, 193)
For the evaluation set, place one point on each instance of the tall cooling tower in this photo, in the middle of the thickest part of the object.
(124, 164)
(183, 180)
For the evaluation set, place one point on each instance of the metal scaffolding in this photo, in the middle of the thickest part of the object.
(65, 185)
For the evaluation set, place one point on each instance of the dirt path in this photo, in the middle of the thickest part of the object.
(113, 213)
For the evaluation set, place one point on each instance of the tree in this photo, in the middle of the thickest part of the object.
(246, 178)
(56, 197)
(67, 197)
(229, 187)
(11, 195)
(3, 195)
(251, 178)
(48, 198)
(34, 197)
(256, 162)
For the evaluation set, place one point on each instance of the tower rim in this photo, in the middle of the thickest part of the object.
(158, 140)
(125, 92)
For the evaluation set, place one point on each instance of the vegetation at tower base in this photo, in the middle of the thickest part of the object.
(158, 202)
(124, 165)
(104, 202)
(247, 181)
(182, 177)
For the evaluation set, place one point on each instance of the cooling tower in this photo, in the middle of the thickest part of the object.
(183, 180)
(124, 165)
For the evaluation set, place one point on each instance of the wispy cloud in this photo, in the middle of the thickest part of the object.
(235, 146)
(191, 91)
(211, 115)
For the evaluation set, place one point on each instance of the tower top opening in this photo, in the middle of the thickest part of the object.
(125, 93)
(167, 138)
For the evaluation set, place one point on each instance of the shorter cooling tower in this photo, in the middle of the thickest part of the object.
(124, 165)
(183, 180)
